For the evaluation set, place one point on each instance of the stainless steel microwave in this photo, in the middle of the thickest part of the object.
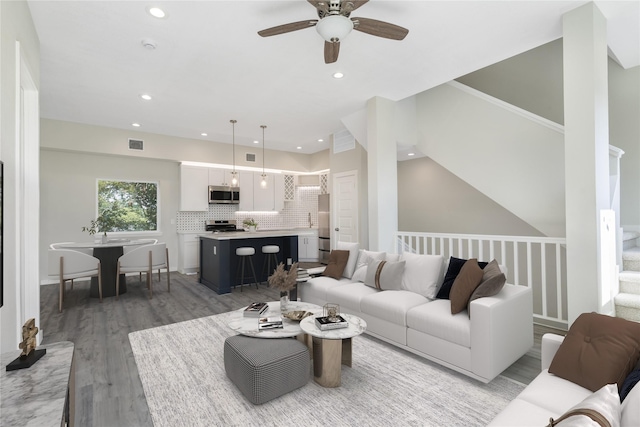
(224, 194)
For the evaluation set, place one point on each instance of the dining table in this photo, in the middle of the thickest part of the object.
(108, 254)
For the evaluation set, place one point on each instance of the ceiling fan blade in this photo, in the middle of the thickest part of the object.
(322, 6)
(379, 28)
(331, 50)
(287, 28)
(349, 6)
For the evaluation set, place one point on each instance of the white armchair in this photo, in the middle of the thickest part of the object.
(66, 264)
(144, 259)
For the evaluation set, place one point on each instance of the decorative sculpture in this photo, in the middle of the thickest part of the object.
(29, 354)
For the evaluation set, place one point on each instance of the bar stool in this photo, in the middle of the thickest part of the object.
(270, 251)
(244, 253)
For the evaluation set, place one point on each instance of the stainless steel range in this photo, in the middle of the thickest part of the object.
(221, 226)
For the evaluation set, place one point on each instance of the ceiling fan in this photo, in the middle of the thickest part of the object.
(335, 24)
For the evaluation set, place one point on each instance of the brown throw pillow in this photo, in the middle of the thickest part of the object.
(598, 350)
(466, 282)
(337, 262)
(492, 282)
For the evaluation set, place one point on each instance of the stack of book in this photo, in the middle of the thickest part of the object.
(255, 309)
(303, 275)
(270, 323)
(326, 323)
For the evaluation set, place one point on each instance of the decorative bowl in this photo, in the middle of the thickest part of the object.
(297, 315)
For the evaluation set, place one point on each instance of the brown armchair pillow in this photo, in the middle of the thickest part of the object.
(598, 350)
(336, 264)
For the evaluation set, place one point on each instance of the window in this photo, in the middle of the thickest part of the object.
(127, 206)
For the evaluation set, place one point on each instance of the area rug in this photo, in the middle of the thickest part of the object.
(182, 371)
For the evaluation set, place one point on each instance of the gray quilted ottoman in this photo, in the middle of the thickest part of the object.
(264, 369)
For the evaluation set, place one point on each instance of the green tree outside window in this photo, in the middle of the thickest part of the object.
(127, 206)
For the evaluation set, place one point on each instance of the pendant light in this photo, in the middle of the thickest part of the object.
(234, 174)
(263, 183)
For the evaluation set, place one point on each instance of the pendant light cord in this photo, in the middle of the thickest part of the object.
(263, 128)
(233, 135)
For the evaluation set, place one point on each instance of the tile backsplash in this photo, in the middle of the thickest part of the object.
(294, 215)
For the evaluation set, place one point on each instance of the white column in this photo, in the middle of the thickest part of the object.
(586, 153)
(382, 174)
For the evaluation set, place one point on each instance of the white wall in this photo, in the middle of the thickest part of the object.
(68, 183)
(21, 296)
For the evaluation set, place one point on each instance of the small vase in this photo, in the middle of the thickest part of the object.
(252, 228)
(284, 302)
(105, 239)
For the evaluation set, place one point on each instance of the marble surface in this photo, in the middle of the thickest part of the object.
(249, 235)
(111, 243)
(36, 396)
(356, 327)
(249, 325)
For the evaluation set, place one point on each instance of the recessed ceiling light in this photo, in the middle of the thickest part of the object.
(203, 134)
(146, 97)
(256, 142)
(338, 75)
(411, 154)
(135, 125)
(156, 12)
(149, 44)
(321, 140)
(299, 148)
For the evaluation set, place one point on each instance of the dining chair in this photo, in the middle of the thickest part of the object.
(144, 259)
(67, 264)
(61, 245)
(141, 242)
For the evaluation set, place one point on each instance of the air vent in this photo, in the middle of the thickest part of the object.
(343, 141)
(250, 157)
(136, 144)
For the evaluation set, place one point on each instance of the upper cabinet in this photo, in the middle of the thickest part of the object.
(194, 181)
(246, 191)
(220, 176)
(263, 197)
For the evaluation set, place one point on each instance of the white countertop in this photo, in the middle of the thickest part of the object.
(256, 235)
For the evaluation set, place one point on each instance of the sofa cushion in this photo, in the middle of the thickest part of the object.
(493, 280)
(384, 275)
(435, 319)
(364, 258)
(391, 306)
(353, 257)
(604, 401)
(630, 412)
(466, 282)
(455, 265)
(336, 264)
(349, 296)
(553, 393)
(522, 413)
(598, 350)
(315, 289)
(422, 273)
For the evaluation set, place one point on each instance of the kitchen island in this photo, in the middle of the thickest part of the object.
(219, 263)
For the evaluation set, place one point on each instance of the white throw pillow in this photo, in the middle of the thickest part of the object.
(353, 257)
(364, 258)
(631, 408)
(605, 401)
(422, 273)
(392, 257)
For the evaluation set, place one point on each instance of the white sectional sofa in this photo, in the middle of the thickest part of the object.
(550, 396)
(481, 342)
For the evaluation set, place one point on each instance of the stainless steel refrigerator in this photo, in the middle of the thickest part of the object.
(324, 234)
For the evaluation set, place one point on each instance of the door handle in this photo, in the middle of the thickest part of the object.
(337, 229)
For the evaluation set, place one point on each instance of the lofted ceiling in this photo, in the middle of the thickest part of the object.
(209, 65)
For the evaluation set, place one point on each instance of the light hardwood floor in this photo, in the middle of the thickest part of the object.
(108, 388)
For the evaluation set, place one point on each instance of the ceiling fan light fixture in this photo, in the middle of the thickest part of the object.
(334, 28)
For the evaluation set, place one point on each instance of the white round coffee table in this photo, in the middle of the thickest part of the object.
(291, 328)
(332, 348)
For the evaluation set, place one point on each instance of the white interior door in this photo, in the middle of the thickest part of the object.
(345, 207)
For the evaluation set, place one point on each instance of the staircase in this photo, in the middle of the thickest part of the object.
(628, 300)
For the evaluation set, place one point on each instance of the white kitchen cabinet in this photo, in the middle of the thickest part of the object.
(263, 198)
(246, 191)
(278, 188)
(188, 257)
(193, 188)
(220, 176)
(308, 250)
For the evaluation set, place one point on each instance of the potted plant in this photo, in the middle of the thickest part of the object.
(250, 223)
(284, 281)
(99, 224)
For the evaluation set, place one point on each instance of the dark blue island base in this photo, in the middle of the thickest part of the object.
(219, 263)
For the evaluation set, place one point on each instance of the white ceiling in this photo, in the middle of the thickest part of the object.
(210, 65)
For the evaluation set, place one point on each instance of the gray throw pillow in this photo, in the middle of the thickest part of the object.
(492, 282)
(384, 275)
